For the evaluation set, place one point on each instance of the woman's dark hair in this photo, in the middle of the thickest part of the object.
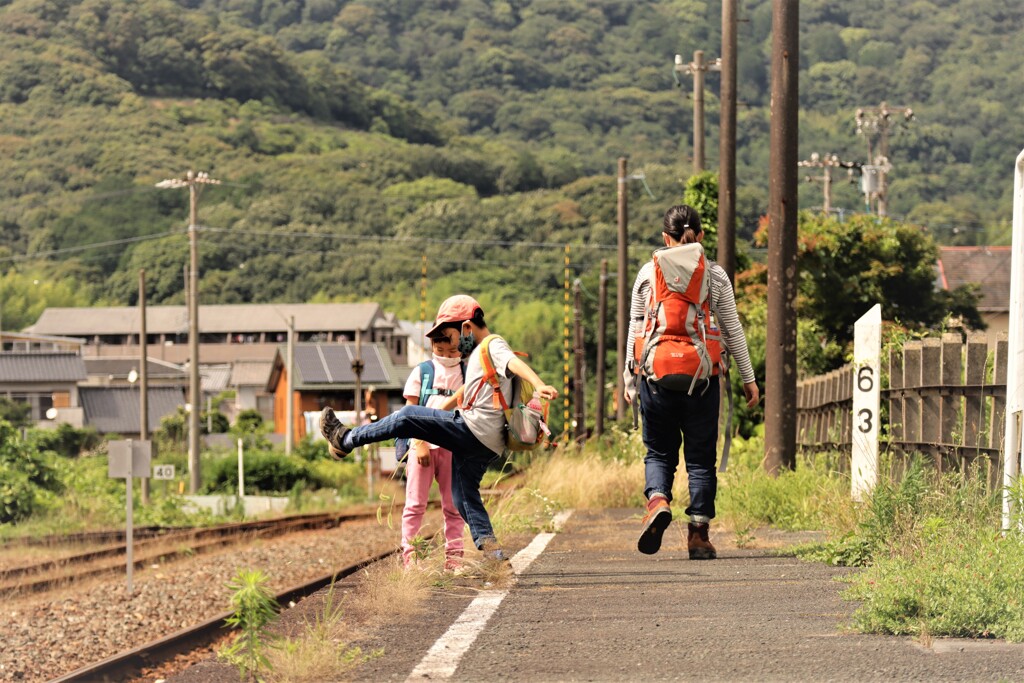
(682, 223)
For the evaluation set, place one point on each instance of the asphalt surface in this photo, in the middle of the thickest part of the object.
(591, 608)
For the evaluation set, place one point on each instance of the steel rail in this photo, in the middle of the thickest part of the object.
(130, 663)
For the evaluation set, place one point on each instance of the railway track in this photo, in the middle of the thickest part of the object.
(51, 574)
(131, 663)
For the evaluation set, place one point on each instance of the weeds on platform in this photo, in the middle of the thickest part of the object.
(254, 608)
(321, 651)
(936, 562)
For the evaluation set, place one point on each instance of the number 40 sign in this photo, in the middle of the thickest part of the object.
(867, 349)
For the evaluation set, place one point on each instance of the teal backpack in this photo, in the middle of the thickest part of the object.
(426, 391)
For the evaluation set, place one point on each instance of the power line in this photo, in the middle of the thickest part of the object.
(86, 247)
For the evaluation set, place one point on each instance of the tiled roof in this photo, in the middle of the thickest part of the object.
(117, 410)
(247, 373)
(41, 367)
(987, 267)
(214, 378)
(121, 367)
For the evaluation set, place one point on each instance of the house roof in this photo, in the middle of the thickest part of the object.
(120, 368)
(987, 267)
(214, 378)
(248, 373)
(213, 319)
(41, 367)
(117, 410)
(328, 367)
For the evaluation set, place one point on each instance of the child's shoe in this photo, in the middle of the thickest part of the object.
(657, 519)
(334, 432)
(698, 544)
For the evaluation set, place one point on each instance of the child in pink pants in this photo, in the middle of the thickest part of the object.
(427, 462)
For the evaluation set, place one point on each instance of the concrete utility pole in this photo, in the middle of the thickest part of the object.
(780, 342)
(827, 163)
(727, 144)
(143, 378)
(193, 181)
(877, 122)
(622, 301)
(697, 68)
(602, 325)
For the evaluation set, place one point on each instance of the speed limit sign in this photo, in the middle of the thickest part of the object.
(163, 471)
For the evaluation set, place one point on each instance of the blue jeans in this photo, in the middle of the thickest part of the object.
(448, 430)
(672, 418)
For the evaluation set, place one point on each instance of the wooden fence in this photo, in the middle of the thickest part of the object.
(944, 397)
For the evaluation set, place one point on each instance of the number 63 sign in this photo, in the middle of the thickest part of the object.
(867, 338)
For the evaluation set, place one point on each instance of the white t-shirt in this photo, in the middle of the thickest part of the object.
(485, 421)
(445, 377)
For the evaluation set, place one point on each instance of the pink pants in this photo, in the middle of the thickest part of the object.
(417, 489)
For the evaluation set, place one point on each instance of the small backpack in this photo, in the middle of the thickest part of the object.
(526, 420)
(678, 345)
(427, 390)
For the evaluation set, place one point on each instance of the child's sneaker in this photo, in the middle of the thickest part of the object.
(334, 432)
(657, 519)
(699, 545)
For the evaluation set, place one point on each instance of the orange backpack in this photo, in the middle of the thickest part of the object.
(526, 420)
(678, 345)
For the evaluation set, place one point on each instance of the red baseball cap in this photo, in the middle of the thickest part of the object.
(455, 309)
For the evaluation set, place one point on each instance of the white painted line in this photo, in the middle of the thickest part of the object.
(443, 658)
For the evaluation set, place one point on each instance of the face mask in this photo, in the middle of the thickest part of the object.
(466, 344)
(446, 361)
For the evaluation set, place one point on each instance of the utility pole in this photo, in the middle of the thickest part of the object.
(193, 181)
(289, 433)
(697, 68)
(566, 428)
(143, 378)
(602, 324)
(877, 122)
(579, 384)
(727, 144)
(357, 370)
(780, 342)
(827, 163)
(622, 303)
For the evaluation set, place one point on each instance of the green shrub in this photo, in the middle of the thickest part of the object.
(249, 421)
(17, 494)
(15, 412)
(309, 449)
(265, 472)
(24, 476)
(213, 422)
(65, 440)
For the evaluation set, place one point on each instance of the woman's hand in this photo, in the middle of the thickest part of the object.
(752, 393)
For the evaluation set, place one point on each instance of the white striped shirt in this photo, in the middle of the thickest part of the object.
(723, 305)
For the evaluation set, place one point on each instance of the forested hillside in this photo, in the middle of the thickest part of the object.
(355, 138)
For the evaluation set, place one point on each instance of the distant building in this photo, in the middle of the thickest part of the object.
(118, 410)
(249, 379)
(117, 372)
(324, 377)
(419, 346)
(228, 333)
(44, 381)
(25, 342)
(989, 269)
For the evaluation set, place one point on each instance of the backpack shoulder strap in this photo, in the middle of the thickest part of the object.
(426, 381)
(490, 376)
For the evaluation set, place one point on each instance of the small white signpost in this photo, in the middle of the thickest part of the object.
(867, 349)
(127, 459)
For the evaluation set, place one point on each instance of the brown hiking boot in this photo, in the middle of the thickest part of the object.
(699, 545)
(334, 432)
(657, 519)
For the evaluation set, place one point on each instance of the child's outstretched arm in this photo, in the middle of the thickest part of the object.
(520, 369)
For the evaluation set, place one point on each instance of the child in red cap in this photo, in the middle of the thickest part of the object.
(475, 435)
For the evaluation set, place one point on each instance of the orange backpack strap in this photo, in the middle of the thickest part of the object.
(490, 376)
